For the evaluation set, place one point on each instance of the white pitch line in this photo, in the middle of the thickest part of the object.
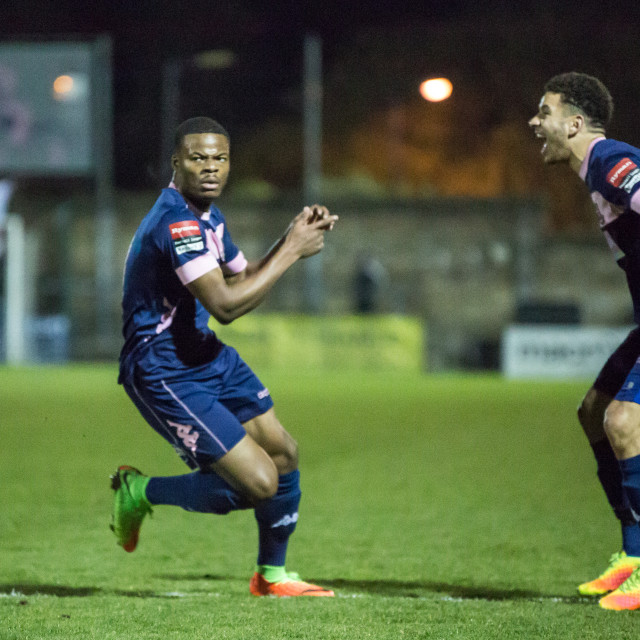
(350, 596)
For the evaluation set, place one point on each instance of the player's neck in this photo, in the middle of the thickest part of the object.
(197, 208)
(580, 148)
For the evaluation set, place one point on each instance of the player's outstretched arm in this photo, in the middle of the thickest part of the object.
(228, 300)
(318, 212)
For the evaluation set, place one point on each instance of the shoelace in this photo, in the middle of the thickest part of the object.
(616, 557)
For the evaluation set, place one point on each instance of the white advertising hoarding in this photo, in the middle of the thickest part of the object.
(558, 351)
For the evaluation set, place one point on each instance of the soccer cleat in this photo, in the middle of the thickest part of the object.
(621, 566)
(626, 596)
(291, 586)
(130, 505)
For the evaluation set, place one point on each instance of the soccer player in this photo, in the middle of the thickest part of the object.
(571, 121)
(196, 392)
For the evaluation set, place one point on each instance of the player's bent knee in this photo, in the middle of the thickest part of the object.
(620, 422)
(263, 485)
(289, 457)
(249, 469)
(275, 440)
(258, 484)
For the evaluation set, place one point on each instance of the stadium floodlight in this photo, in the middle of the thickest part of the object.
(70, 87)
(436, 89)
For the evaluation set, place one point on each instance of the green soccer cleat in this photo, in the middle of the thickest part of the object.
(130, 505)
(626, 597)
(621, 566)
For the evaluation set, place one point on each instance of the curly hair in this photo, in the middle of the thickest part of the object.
(585, 93)
(197, 125)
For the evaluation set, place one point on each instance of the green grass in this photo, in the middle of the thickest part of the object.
(436, 507)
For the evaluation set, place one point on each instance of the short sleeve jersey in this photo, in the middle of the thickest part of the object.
(611, 171)
(173, 246)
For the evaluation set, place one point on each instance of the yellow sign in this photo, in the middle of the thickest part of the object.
(385, 342)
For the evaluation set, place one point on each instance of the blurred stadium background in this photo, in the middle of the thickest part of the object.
(448, 218)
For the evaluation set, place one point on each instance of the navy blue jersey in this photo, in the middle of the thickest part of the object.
(611, 170)
(173, 246)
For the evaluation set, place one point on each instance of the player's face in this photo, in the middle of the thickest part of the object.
(552, 124)
(201, 167)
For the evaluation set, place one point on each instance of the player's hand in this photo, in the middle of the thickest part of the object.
(306, 233)
(318, 212)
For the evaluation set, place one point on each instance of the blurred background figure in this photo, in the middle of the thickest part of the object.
(368, 284)
(7, 187)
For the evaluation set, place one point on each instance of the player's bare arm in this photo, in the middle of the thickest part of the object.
(318, 213)
(228, 299)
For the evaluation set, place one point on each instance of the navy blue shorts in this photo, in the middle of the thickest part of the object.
(620, 369)
(199, 410)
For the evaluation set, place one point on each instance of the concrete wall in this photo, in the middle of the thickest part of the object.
(464, 266)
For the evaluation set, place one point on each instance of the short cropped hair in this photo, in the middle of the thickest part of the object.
(197, 125)
(585, 93)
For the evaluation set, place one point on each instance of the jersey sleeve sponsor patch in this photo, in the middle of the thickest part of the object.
(186, 236)
(625, 175)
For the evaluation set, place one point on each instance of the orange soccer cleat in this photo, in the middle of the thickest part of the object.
(621, 566)
(289, 587)
(626, 596)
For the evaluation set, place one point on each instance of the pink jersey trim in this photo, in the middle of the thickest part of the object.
(205, 215)
(607, 211)
(635, 201)
(238, 264)
(585, 163)
(167, 317)
(195, 268)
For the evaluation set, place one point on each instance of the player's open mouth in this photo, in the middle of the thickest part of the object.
(541, 136)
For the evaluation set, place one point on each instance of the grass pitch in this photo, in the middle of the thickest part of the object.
(436, 507)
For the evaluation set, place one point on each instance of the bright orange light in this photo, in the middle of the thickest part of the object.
(436, 89)
(63, 85)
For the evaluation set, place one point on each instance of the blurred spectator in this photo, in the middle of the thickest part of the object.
(369, 279)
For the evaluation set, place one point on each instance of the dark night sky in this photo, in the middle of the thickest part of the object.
(265, 36)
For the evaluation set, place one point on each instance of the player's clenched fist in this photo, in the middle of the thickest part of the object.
(318, 212)
(306, 233)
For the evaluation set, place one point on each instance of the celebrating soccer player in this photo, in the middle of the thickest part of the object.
(571, 120)
(195, 391)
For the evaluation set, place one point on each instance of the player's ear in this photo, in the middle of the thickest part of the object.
(174, 162)
(576, 124)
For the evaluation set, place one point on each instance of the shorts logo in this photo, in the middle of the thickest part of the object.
(186, 236)
(618, 173)
(263, 394)
(186, 434)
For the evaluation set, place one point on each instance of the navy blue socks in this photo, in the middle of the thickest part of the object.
(197, 491)
(277, 520)
(209, 493)
(610, 476)
(631, 480)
